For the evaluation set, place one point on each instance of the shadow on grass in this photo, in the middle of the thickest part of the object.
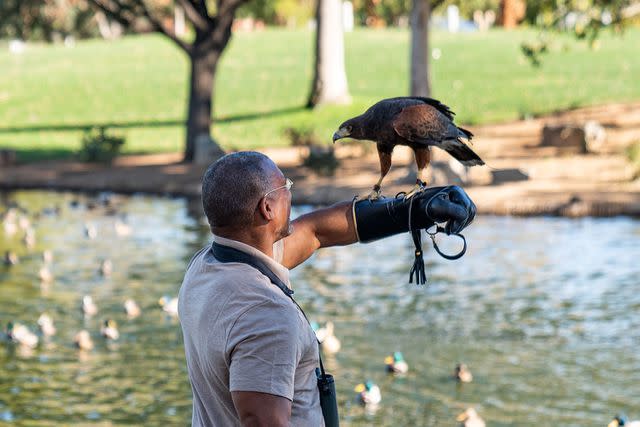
(144, 123)
(30, 155)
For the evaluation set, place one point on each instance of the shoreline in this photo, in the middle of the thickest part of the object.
(524, 176)
(570, 205)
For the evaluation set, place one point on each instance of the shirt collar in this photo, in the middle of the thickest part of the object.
(278, 269)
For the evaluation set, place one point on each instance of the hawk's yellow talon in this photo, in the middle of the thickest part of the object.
(375, 193)
(420, 185)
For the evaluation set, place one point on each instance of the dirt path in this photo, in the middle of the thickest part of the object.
(523, 177)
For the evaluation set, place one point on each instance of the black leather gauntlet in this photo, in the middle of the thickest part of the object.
(376, 219)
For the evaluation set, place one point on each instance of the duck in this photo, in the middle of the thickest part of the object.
(9, 223)
(29, 239)
(106, 268)
(90, 231)
(104, 199)
(47, 257)
(10, 258)
(45, 274)
(19, 333)
(10, 228)
(329, 342)
(109, 330)
(83, 340)
(131, 308)
(23, 223)
(368, 393)
(396, 364)
(50, 211)
(169, 305)
(88, 306)
(620, 420)
(46, 325)
(470, 418)
(462, 373)
(122, 228)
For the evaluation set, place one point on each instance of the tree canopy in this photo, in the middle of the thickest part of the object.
(585, 19)
(46, 19)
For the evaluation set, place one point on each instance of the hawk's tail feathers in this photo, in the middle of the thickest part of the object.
(462, 153)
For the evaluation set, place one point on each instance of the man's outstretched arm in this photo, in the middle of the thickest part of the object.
(346, 223)
(332, 226)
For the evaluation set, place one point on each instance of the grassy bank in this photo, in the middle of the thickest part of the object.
(138, 84)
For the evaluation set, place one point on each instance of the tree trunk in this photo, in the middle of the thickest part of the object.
(203, 69)
(103, 26)
(212, 34)
(330, 78)
(512, 12)
(420, 76)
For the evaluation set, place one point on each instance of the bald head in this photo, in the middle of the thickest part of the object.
(233, 186)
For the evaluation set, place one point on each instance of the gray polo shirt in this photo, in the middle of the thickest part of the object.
(242, 333)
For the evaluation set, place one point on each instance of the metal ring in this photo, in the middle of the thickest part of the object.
(438, 229)
(450, 257)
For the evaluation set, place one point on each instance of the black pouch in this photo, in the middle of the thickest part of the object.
(328, 400)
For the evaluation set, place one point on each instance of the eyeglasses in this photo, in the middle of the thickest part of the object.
(288, 184)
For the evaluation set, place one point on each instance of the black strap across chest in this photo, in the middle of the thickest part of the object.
(228, 254)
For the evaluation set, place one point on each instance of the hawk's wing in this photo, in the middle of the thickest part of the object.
(422, 124)
(425, 124)
(428, 101)
(444, 109)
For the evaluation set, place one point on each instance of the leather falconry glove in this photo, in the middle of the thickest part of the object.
(376, 219)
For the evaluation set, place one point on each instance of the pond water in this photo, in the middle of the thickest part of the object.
(544, 311)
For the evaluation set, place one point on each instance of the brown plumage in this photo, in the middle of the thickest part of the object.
(416, 122)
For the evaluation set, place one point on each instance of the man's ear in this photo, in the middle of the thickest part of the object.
(266, 209)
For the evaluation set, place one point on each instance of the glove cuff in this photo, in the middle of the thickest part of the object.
(384, 217)
(373, 219)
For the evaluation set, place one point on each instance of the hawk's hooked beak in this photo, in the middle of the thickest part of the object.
(340, 133)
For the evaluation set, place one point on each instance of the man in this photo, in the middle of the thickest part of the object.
(251, 354)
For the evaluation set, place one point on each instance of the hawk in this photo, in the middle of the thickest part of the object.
(413, 121)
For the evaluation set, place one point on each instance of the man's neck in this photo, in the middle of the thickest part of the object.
(256, 238)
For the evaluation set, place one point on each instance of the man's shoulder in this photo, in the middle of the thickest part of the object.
(204, 263)
(196, 258)
(235, 282)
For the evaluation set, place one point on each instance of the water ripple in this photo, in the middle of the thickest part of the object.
(543, 310)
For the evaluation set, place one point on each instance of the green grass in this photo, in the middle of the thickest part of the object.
(139, 84)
